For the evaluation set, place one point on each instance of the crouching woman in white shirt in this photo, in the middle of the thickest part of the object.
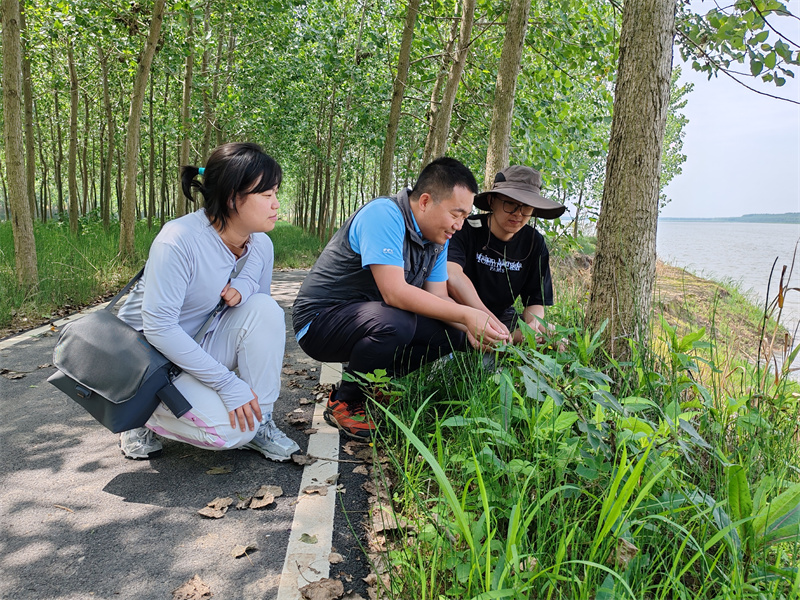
(231, 377)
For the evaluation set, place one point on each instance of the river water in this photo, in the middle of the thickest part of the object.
(740, 252)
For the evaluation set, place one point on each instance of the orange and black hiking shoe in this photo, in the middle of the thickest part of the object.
(351, 420)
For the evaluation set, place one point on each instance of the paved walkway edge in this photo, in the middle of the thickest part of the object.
(307, 561)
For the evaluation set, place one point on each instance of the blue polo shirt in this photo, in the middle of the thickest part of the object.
(377, 234)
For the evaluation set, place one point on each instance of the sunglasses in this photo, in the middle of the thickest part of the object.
(512, 207)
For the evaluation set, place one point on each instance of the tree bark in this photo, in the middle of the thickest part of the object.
(625, 259)
(21, 219)
(27, 94)
(151, 167)
(105, 196)
(208, 116)
(437, 143)
(127, 218)
(186, 111)
(58, 159)
(505, 89)
(403, 61)
(436, 93)
(84, 156)
(72, 157)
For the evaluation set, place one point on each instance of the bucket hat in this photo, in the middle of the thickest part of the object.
(524, 185)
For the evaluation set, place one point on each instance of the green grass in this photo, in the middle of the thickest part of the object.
(528, 480)
(73, 271)
(294, 248)
(78, 271)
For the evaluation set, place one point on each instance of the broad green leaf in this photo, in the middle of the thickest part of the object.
(756, 66)
(741, 504)
(779, 521)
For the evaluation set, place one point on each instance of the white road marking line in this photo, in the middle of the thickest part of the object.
(313, 515)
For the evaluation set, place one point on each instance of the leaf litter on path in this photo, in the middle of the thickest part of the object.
(216, 509)
(194, 589)
(324, 589)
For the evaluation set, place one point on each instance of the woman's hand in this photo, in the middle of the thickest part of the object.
(249, 414)
(231, 296)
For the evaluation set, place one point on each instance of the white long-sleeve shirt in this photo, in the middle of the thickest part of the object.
(187, 269)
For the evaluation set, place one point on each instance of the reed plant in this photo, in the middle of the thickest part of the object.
(564, 474)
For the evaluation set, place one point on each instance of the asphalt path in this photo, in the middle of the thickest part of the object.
(78, 520)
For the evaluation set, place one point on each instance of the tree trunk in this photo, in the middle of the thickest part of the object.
(208, 116)
(21, 219)
(44, 198)
(105, 195)
(84, 155)
(58, 159)
(27, 93)
(72, 158)
(505, 88)
(127, 211)
(186, 111)
(164, 181)
(436, 94)
(403, 61)
(436, 145)
(151, 169)
(625, 259)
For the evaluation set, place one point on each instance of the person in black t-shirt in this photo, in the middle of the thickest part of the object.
(497, 257)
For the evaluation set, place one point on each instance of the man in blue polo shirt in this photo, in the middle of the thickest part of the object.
(377, 296)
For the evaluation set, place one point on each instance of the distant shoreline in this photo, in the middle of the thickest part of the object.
(792, 218)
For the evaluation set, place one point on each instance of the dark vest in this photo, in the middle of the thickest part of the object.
(338, 278)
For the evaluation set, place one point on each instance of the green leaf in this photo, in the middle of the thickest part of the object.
(756, 67)
(741, 504)
(769, 60)
(779, 521)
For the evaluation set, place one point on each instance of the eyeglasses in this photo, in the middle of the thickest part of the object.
(512, 207)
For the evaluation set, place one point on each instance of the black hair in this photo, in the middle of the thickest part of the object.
(440, 177)
(232, 170)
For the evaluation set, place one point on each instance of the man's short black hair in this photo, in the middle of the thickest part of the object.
(441, 176)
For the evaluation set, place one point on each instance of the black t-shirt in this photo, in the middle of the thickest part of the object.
(501, 271)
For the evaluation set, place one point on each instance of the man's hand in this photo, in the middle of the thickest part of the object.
(483, 329)
(245, 414)
(231, 296)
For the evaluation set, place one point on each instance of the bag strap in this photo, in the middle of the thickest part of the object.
(124, 290)
(237, 268)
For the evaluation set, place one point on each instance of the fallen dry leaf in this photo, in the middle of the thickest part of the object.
(310, 431)
(304, 401)
(219, 470)
(322, 490)
(263, 501)
(44, 366)
(194, 589)
(11, 374)
(352, 447)
(308, 539)
(290, 371)
(332, 479)
(275, 490)
(303, 459)
(297, 417)
(385, 519)
(360, 470)
(623, 555)
(324, 589)
(216, 509)
(335, 558)
(353, 596)
(239, 550)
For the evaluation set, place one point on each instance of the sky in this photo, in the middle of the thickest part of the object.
(743, 149)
